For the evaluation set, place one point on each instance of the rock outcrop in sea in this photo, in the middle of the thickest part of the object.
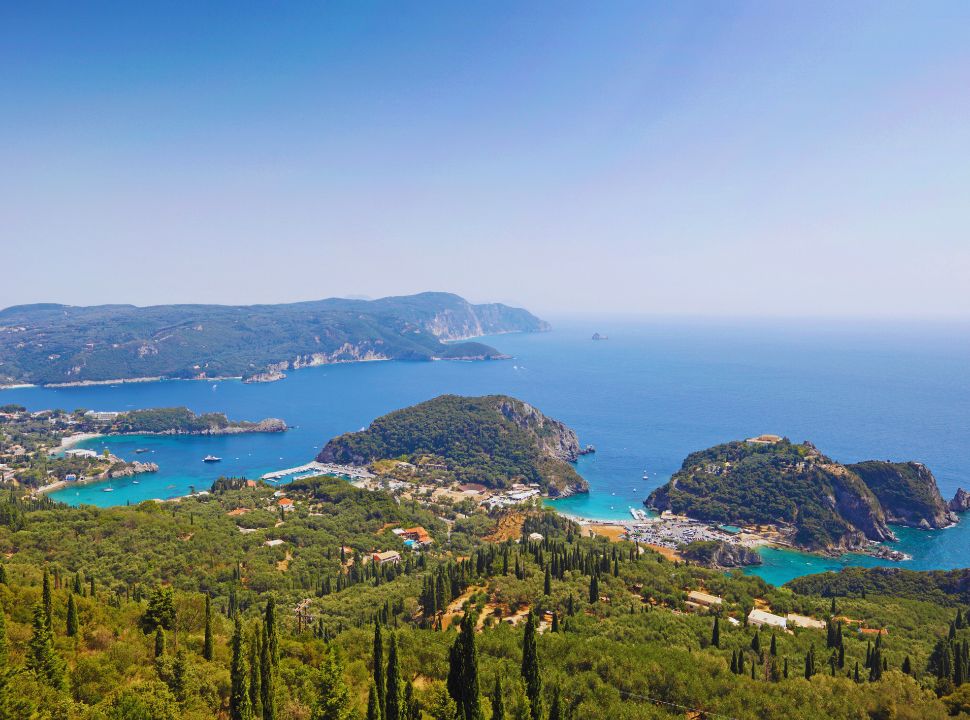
(960, 502)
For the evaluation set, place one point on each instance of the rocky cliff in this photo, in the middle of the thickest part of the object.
(961, 501)
(907, 492)
(719, 554)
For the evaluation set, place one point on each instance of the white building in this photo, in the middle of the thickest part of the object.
(760, 618)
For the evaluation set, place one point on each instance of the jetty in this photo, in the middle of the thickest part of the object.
(350, 471)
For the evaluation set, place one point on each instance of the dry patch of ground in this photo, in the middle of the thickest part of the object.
(509, 527)
(607, 530)
(284, 564)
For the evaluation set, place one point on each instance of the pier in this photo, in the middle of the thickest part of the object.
(351, 471)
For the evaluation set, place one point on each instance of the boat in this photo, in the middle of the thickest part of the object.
(211, 459)
(135, 482)
(139, 451)
(108, 490)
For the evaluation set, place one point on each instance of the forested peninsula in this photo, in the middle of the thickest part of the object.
(49, 344)
(495, 441)
(816, 502)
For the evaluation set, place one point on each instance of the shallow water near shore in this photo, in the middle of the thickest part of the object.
(648, 396)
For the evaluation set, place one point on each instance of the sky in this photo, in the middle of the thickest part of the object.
(711, 158)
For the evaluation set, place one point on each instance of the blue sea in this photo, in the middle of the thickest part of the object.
(646, 397)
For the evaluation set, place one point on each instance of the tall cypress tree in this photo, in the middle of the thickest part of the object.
(207, 648)
(240, 707)
(716, 633)
(267, 675)
(392, 691)
(547, 584)
(159, 641)
(41, 657)
(594, 589)
(256, 672)
(497, 701)
(373, 704)
(380, 684)
(4, 669)
(530, 668)
(773, 648)
(73, 622)
(555, 709)
(48, 601)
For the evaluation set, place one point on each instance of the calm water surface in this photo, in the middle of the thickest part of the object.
(648, 396)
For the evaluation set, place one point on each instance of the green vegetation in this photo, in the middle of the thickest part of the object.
(494, 440)
(821, 504)
(181, 420)
(50, 343)
(943, 587)
(179, 614)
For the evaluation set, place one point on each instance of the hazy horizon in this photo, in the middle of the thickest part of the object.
(625, 159)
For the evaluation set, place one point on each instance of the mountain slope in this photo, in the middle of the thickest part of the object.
(907, 492)
(494, 440)
(49, 343)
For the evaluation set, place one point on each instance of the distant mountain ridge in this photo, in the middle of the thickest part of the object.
(51, 344)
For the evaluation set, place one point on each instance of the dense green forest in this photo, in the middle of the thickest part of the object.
(50, 343)
(182, 420)
(494, 440)
(181, 610)
(825, 505)
(944, 587)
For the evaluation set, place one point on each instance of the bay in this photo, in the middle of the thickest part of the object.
(653, 392)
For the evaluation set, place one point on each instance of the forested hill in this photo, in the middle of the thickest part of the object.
(944, 587)
(48, 343)
(494, 440)
(827, 505)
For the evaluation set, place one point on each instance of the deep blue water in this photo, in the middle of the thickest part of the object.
(646, 397)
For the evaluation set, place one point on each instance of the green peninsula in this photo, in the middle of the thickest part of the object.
(494, 440)
(817, 503)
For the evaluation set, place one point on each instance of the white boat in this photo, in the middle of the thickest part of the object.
(211, 459)
(108, 490)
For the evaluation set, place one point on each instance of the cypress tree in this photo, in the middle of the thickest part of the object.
(841, 656)
(269, 625)
(547, 585)
(855, 675)
(73, 622)
(734, 662)
(159, 641)
(740, 662)
(239, 706)
(786, 669)
(256, 673)
(41, 658)
(392, 693)
(555, 710)
(48, 601)
(530, 668)
(378, 660)
(4, 668)
(555, 622)
(756, 642)
(178, 683)
(77, 589)
(207, 649)
(907, 666)
(594, 589)
(716, 633)
(411, 708)
(753, 666)
(875, 666)
(498, 702)
(373, 704)
(773, 649)
(267, 676)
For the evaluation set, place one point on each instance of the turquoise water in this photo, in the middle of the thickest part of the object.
(646, 397)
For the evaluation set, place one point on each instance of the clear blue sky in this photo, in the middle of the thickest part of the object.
(712, 158)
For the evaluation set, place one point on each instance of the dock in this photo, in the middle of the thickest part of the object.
(351, 471)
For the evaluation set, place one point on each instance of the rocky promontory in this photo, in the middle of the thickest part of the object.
(720, 554)
(907, 492)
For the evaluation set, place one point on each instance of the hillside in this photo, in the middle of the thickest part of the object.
(494, 440)
(51, 344)
(945, 587)
(177, 615)
(826, 506)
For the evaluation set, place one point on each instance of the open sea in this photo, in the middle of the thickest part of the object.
(646, 397)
